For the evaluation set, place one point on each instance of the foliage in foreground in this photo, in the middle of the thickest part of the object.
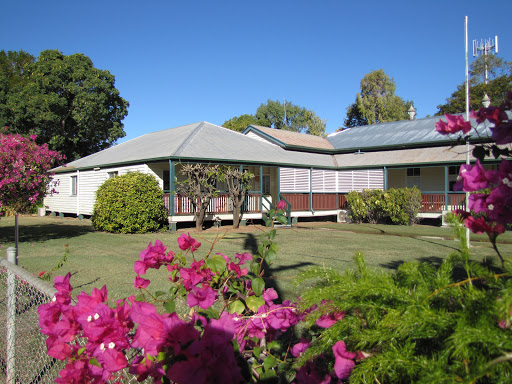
(422, 324)
(130, 203)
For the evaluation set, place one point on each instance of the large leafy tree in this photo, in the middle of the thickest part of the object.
(290, 117)
(377, 102)
(65, 101)
(239, 123)
(275, 114)
(237, 182)
(500, 82)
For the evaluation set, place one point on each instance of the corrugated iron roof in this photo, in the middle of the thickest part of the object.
(398, 157)
(199, 141)
(398, 133)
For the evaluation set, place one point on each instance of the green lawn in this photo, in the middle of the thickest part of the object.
(98, 258)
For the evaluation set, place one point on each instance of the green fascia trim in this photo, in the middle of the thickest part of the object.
(250, 128)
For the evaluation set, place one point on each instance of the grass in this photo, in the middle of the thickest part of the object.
(98, 258)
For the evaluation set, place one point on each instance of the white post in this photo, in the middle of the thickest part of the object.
(11, 318)
(467, 114)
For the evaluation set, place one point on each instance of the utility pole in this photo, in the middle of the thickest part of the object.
(486, 47)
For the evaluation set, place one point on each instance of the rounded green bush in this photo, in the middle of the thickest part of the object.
(131, 203)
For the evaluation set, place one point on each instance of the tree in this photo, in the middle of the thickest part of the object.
(25, 177)
(237, 182)
(289, 117)
(496, 90)
(495, 66)
(66, 102)
(12, 73)
(377, 102)
(239, 123)
(200, 187)
(500, 78)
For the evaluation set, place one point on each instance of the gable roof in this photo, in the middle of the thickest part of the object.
(201, 141)
(289, 139)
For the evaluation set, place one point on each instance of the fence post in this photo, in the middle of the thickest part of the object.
(11, 318)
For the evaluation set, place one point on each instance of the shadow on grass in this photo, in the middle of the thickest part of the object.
(44, 232)
(271, 281)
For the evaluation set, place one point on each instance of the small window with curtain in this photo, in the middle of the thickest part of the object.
(110, 175)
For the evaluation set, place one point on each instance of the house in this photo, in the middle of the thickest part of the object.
(311, 173)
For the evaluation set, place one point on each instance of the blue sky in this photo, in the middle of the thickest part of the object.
(179, 62)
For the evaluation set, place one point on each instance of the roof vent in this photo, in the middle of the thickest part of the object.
(411, 112)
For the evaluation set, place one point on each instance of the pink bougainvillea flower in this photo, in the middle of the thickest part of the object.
(453, 124)
(187, 242)
(344, 360)
(141, 283)
(204, 297)
(269, 295)
(153, 256)
(491, 114)
(327, 320)
(281, 205)
(502, 133)
(243, 257)
(474, 177)
(143, 367)
(480, 225)
(41, 273)
(309, 373)
(300, 347)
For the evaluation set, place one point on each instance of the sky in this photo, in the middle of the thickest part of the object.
(180, 62)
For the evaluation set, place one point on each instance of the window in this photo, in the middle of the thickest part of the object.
(73, 185)
(413, 172)
(413, 178)
(266, 185)
(112, 174)
(167, 180)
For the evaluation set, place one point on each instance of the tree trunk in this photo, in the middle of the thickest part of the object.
(236, 215)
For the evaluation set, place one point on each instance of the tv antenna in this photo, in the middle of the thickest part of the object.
(485, 47)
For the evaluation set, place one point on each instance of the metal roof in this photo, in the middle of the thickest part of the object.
(407, 133)
(198, 141)
(290, 138)
(404, 157)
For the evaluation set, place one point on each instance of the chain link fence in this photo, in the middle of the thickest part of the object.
(23, 358)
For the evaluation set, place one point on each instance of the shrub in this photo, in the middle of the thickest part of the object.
(403, 205)
(130, 203)
(374, 206)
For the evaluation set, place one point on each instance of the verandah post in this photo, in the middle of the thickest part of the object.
(446, 187)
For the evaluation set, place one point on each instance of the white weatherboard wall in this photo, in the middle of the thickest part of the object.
(88, 183)
(325, 181)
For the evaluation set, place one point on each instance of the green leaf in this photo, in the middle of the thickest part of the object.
(256, 352)
(159, 293)
(258, 285)
(274, 345)
(236, 307)
(216, 263)
(170, 306)
(254, 303)
(95, 362)
(81, 350)
(282, 219)
(255, 268)
(272, 234)
(269, 362)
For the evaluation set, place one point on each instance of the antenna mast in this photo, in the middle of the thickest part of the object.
(485, 47)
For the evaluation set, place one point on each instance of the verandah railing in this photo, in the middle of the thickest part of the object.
(219, 204)
(431, 202)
